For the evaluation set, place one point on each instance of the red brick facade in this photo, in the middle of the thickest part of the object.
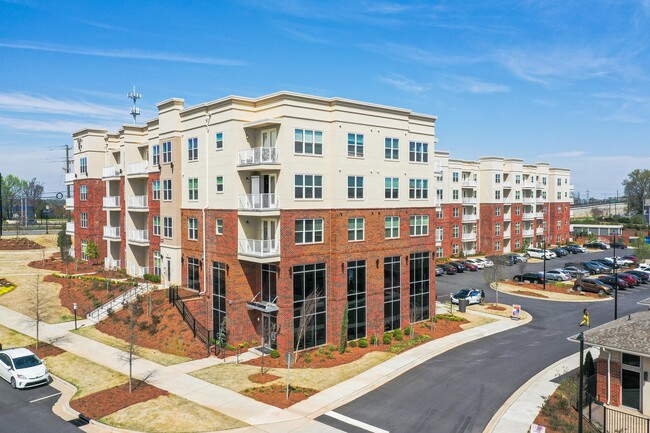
(154, 210)
(96, 216)
(614, 381)
(559, 212)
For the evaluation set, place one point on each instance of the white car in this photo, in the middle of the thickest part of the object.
(538, 253)
(487, 263)
(22, 368)
(473, 296)
(479, 263)
(624, 262)
(557, 275)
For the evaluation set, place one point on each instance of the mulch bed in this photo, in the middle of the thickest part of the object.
(551, 287)
(87, 294)
(45, 350)
(111, 400)
(18, 244)
(163, 330)
(55, 264)
(276, 395)
(496, 308)
(529, 293)
(262, 378)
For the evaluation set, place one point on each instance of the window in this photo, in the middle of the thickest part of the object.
(84, 220)
(155, 188)
(219, 184)
(454, 194)
(517, 195)
(517, 228)
(84, 250)
(193, 188)
(455, 212)
(156, 226)
(391, 188)
(559, 225)
(219, 226)
(392, 293)
(218, 296)
(419, 225)
(517, 210)
(167, 189)
(193, 229)
(439, 213)
(559, 195)
(517, 179)
(544, 195)
(455, 232)
(83, 192)
(517, 244)
(455, 249)
(308, 186)
(155, 152)
(193, 278)
(419, 286)
(193, 149)
(356, 299)
(497, 229)
(418, 152)
(218, 139)
(356, 229)
(497, 210)
(167, 151)
(440, 252)
(83, 165)
(419, 189)
(309, 283)
(497, 195)
(544, 180)
(439, 195)
(355, 187)
(391, 225)
(167, 227)
(439, 232)
(497, 246)
(309, 231)
(559, 209)
(391, 148)
(559, 181)
(454, 176)
(308, 142)
(497, 178)
(355, 145)
(157, 263)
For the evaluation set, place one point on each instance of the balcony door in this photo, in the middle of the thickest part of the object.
(263, 191)
(268, 137)
(268, 235)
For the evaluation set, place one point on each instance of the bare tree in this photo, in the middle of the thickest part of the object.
(135, 310)
(521, 267)
(307, 316)
(493, 276)
(41, 308)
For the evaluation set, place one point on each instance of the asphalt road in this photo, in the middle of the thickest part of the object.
(460, 390)
(30, 411)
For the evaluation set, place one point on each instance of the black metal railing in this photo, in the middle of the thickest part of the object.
(198, 330)
(605, 419)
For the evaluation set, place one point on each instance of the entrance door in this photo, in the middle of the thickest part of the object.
(268, 236)
(268, 191)
(631, 388)
(269, 330)
(169, 270)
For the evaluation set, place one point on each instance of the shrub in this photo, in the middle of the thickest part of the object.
(373, 340)
(397, 335)
(151, 277)
(401, 346)
(274, 354)
(6, 289)
(353, 343)
(388, 338)
(363, 343)
(449, 318)
(408, 331)
(330, 348)
(307, 358)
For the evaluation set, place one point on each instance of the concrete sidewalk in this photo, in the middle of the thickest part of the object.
(261, 417)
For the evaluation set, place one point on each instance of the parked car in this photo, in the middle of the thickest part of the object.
(530, 277)
(31, 221)
(486, 262)
(539, 253)
(630, 279)
(634, 259)
(449, 270)
(593, 268)
(476, 262)
(575, 271)
(473, 296)
(518, 258)
(575, 249)
(557, 275)
(470, 266)
(617, 244)
(608, 263)
(439, 271)
(624, 262)
(22, 368)
(644, 267)
(560, 252)
(506, 259)
(458, 265)
(610, 281)
(643, 276)
(592, 285)
(597, 245)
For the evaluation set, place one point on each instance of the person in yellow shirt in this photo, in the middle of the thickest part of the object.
(585, 318)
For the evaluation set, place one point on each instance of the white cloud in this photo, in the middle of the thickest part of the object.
(569, 154)
(463, 84)
(418, 55)
(122, 54)
(20, 102)
(404, 84)
(45, 125)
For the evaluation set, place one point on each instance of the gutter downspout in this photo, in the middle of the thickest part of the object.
(207, 198)
(609, 369)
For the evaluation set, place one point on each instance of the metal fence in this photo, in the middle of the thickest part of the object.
(608, 420)
(198, 330)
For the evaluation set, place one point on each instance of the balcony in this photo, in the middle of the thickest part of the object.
(259, 156)
(264, 306)
(109, 172)
(138, 271)
(111, 232)
(539, 230)
(139, 237)
(528, 215)
(69, 203)
(507, 184)
(69, 228)
(470, 218)
(507, 216)
(539, 215)
(69, 177)
(527, 232)
(469, 252)
(112, 201)
(110, 263)
(138, 202)
(138, 168)
(507, 200)
(528, 185)
(468, 183)
(506, 233)
(259, 202)
(470, 200)
(260, 249)
(540, 185)
(529, 200)
(469, 237)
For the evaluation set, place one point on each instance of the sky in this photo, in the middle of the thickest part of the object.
(564, 82)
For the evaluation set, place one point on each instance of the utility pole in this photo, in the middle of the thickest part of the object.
(68, 148)
(1, 211)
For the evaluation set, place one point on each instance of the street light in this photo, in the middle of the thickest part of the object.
(74, 307)
(581, 339)
(544, 258)
(615, 280)
(47, 216)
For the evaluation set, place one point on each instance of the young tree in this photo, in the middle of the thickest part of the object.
(521, 267)
(307, 316)
(41, 307)
(134, 310)
(493, 276)
(637, 189)
(64, 242)
(343, 343)
(641, 250)
(92, 251)
(13, 188)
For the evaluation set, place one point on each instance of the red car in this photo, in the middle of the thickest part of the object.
(470, 266)
(634, 259)
(629, 279)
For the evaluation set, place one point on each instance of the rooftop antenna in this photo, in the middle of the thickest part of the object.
(135, 111)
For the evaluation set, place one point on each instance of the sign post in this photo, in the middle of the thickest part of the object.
(289, 358)
(516, 312)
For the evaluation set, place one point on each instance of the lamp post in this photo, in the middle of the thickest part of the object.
(581, 339)
(544, 258)
(47, 217)
(615, 280)
(74, 307)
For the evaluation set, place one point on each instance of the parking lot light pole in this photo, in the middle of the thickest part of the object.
(581, 339)
(47, 216)
(544, 258)
(74, 307)
(615, 281)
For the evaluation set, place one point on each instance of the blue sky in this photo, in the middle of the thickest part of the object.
(559, 81)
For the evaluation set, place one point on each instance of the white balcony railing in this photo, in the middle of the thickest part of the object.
(507, 200)
(259, 202)
(506, 233)
(112, 201)
(528, 215)
(469, 236)
(539, 214)
(259, 155)
(111, 263)
(527, 232)
(138, 202)
(69, 227)
(507, 216)
(259, 248)
(138, 271)
(470, 217)
(540, 230)
(111, 232)
(470, 200)
(69, 177)
(529, 200)
(141, 167)
(141, 236)
(469, 252)
(469, 183)
(111, 172)
(71, 252)
(69, 203)
(540, 185)
(507, 184)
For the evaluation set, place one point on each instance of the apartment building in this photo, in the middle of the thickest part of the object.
(275, 211)
(498, 205)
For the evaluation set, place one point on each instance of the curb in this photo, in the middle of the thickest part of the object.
(508, 292)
